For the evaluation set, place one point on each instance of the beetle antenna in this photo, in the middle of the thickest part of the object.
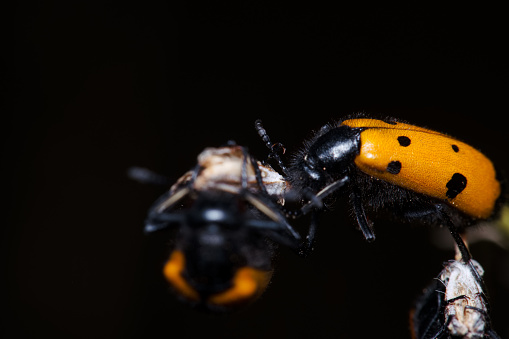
(275, 148)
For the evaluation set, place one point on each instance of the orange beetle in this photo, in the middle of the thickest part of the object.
(418, 174)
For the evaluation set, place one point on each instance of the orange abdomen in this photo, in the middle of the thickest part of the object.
(428, 162)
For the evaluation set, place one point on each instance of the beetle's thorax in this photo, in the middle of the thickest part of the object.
(332, 155)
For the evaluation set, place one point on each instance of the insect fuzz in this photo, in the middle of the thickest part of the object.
(453, 305)
(228, 225)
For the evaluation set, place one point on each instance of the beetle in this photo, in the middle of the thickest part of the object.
(417, 174)
(453, 305)
(228, 223)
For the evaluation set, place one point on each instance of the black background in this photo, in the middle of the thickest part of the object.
(91, 88)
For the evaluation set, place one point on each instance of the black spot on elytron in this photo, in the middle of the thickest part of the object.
(455, 148)
(404, 141)
(456, 185)
(394, 167)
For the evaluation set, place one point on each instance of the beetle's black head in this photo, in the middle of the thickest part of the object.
(326, 158)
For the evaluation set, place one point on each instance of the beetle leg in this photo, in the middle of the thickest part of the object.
(146, 176)
(360, 215)
(465, 253)
(307, 245)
